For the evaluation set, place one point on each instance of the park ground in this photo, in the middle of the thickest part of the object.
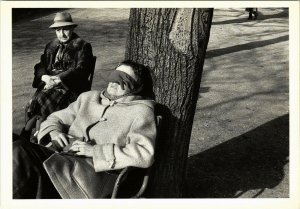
(240, 138)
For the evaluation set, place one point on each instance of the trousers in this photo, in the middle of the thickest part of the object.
(30, 179)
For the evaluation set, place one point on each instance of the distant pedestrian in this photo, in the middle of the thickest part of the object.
(253, 13)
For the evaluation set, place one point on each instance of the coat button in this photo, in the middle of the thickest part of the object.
(102, 119)
(112, 103)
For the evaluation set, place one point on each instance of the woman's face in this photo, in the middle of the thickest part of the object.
(114, 89)
(64, 33)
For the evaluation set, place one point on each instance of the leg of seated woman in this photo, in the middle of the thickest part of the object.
(53, 100)
(42, 104)
(30, 180)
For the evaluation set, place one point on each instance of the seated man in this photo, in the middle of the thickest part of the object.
(62, 73)
(101, 131)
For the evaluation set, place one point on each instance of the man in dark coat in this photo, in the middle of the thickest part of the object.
(62, 73)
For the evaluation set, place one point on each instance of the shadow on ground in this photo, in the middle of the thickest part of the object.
(247, 46)
(252, 161)
(26, 14)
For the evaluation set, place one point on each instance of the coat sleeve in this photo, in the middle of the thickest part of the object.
(139, 152)
(60, 121)
(40, 70)
(82, 68)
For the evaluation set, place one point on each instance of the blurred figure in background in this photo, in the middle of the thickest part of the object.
(253, 13)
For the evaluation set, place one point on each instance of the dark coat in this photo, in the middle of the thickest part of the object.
(76, 64)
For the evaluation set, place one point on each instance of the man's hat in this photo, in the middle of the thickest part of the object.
(62, 19)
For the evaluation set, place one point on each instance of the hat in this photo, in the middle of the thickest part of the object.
(62, 19)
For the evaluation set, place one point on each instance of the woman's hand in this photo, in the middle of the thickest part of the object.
(82, 148)
(61, 140)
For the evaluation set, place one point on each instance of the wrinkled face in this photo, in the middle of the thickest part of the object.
(114, 89)
(64, 33)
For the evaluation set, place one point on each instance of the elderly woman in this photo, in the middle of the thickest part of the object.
(101, 131)
(62, 73)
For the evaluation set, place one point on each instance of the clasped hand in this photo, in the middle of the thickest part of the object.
(78, 147)
(50, 81)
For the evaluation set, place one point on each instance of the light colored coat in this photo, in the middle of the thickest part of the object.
(124, 132)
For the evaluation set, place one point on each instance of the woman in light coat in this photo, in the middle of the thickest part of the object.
(99, 132)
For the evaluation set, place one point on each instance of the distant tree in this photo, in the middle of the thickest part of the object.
(172, 43)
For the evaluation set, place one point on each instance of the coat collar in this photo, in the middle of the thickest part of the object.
(71, 44)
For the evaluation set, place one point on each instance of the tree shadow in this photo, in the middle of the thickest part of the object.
(273, 92)
(252, 161)
(261, 16)
(203, 90)
(247, 46)
(26, 14)
(283, 13)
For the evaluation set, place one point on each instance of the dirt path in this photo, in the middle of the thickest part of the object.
(239, 144)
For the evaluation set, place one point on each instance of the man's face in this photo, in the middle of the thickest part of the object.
(114, 89)
(64, 33)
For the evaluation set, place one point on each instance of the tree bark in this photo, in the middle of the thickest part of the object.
(172, 43)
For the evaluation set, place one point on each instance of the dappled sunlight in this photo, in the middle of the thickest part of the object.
(243, 99)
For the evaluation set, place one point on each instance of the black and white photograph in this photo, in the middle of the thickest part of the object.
(171, 102)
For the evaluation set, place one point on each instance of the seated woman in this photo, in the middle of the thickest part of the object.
(101, 131)
(62, 73)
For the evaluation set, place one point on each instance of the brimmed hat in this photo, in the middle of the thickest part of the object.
(62, 19)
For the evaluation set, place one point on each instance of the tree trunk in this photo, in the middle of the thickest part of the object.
(172, 43)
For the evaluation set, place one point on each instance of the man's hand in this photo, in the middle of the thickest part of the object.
(82, 148)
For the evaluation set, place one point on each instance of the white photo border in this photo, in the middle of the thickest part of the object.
(6, 111)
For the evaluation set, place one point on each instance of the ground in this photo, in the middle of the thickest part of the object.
(240, 139)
